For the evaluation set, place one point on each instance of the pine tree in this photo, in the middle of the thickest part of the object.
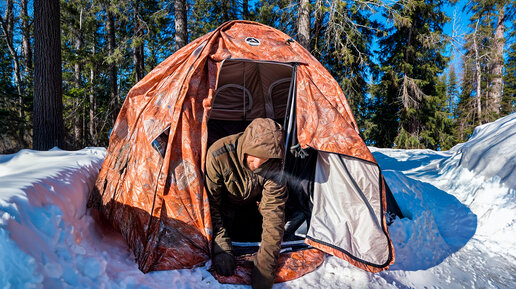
(345, 48)
(106, 50)
(280, 14)
(465, 114)
(14, 91)
(484, 53)
(7, 23)
(160, 34)
(9, 119)
(452, 90)
(408, 103)
(208, 15)
(73, 49)
(26, 31)
(509, 91)
(438, 132)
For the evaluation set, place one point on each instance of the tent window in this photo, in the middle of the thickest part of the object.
(161, 141)
(278, 93)
(232, 98)
(248, 89)
(263, 87)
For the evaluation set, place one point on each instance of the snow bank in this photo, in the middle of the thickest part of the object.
(482, 174)
(459, 231)
(48, 239)
(491, 151)
(42, 201)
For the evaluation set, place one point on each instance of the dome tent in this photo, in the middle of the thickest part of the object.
(151, 186)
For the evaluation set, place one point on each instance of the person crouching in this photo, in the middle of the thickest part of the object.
(245, 189)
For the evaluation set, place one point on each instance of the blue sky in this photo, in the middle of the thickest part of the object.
(457, 12)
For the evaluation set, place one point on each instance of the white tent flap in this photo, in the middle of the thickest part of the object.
(347, 209)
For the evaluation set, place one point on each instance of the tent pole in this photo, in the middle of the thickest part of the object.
(291, 107)
(243, 94)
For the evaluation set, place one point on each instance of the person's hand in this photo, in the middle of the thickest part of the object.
(224, 263)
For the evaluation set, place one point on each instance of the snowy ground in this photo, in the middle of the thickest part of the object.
(460, 230)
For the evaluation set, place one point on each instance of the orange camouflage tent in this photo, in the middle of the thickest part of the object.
(151, 187)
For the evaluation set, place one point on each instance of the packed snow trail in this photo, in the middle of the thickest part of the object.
(459, 230)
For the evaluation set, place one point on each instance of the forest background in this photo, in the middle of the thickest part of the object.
(416, 73)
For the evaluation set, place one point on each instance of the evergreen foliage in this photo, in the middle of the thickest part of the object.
(11, 125)
(477, 103)
(465, 113)
(208, 15)
(343, 36)
(452, 90)
(408, 105)
(509, 90)
(400, 95)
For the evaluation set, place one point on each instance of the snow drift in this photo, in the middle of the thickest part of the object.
(459, 231)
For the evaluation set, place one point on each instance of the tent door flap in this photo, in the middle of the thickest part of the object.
(347, 216)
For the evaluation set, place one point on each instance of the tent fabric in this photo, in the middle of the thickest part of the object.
(151, 186)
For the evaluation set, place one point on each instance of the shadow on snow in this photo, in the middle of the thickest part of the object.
(436, 225)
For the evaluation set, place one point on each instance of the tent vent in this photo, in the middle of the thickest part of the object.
(253, 41)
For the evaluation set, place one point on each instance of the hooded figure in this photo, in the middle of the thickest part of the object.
(244, 175)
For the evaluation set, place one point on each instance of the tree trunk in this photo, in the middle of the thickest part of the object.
(83, 125)
(318, 26)
(479, 76)
(303, 24)
(27, 50)
(245, 9)
(48, 91)
(93, 108)
(93, 98)
(181, 24)
(138, 46)
(113, 70)
(78, 115)
(495, 94)
(27, 54)
(8, 27)
(225, 10)
(451, 87)
(138, 62)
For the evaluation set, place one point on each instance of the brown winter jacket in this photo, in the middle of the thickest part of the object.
(229, 179)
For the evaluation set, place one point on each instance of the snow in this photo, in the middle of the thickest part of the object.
(459, 232)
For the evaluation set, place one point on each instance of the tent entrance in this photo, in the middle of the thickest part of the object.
(247, 90)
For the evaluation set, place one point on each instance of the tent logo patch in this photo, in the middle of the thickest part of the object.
(253, 41)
